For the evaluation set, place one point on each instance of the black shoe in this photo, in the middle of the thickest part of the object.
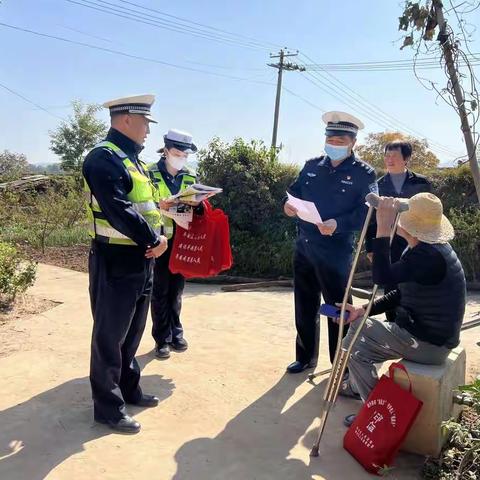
(162, 351)
(179, 345)
(348, 420)
(297, 367)
(146, 401)
(125, 425)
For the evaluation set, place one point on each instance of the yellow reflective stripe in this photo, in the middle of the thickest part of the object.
(142, 197)
(113, 147)
(93, 201)
(140, 207)
(143, 207)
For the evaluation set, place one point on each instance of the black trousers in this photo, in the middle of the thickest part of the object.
(120, 290)
(166, 301)
(314, 278)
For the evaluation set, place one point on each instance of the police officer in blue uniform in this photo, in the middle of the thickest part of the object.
(125, 226)
(337, 183)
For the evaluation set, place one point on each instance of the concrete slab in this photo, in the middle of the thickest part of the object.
(227, 410)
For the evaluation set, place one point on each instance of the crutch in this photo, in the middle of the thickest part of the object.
(343, 352)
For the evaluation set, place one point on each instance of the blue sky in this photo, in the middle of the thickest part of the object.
(52, 73)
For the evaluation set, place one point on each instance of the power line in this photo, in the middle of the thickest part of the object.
(117, 52)
(368, 109)
(46, 110)
(266, 43)
(193, 62)
(374, 113)
(376, 118)
(424, 59)
(303, 99)
(49, 112)
(403, 68)
(128, 55)
(157, 22)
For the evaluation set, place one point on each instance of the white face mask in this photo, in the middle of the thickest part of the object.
(176, 162)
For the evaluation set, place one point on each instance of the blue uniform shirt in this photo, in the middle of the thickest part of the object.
(338, 193)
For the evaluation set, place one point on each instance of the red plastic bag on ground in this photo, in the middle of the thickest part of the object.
(204, 249)
(382, 424)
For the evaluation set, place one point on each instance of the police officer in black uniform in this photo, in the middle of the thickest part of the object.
(398, 182)
(125, 227)
(337, 183)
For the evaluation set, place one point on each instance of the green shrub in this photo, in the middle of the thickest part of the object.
(254, 183)
(454, 186)
(16, 274)
(53, 217)
(467, 239)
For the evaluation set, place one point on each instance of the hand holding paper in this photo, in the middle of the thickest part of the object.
(327, 227)
(307, 211)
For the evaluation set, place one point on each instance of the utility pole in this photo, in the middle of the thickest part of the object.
(281, 66)
(447, 47)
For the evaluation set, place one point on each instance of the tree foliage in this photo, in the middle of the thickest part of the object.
(254, 185)
(417, 17)
(12, 166)
(16, 274)
(372, 151)
(75, 137)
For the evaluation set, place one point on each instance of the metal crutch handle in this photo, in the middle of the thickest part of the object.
(373, 200)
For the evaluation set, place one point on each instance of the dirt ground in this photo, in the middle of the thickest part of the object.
(228, 411)
(74, 258)
(11, 330)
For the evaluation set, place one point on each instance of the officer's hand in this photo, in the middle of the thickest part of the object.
(370, 256)
(386, 213)
(164, 205)
(354, 313)
(289, 210)
(160, 249)
(328, 227)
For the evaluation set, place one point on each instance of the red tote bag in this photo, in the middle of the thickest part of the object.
(204, 249)
(221, 252)
(382, 424)
(192, 249)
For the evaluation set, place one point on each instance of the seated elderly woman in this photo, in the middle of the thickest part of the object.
(429, 302)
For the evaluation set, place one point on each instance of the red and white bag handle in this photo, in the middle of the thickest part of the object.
(391, 372)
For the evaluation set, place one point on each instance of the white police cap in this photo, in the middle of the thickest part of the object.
(180, 140)
(341, 123)
(136, 104)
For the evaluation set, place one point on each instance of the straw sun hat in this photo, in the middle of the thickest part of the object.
(425, 220)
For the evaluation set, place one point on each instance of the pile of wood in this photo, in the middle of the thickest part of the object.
(235, 284)
(37, 182)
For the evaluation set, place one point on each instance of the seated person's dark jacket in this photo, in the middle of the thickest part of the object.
(430, 298)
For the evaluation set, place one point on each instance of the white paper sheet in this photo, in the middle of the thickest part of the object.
(181, 215)
(307, 211)
(195, 193)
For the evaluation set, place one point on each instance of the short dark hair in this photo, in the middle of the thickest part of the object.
(405, 148)
(114, 115)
